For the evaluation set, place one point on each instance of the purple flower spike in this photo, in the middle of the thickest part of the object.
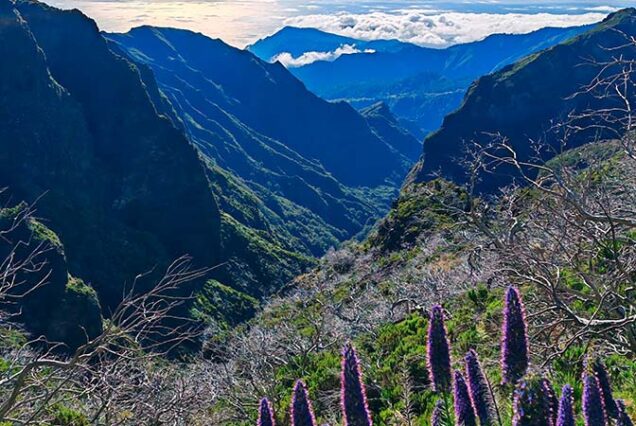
(603, 380)
(265, 414)
(302, 413)
(566, 408)
(438, 414)
(464, 413)
(479, 390)
(438, 351)
(551, 401)
(352, 391)
(530, 406)
(593, 407)
(514, 343)
(623, 418)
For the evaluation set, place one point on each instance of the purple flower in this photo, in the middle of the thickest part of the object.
(479, 389)
(551, 401)
(464, 413)
(437, 418)
(566, 407)
(530, 407)
(438, 351)
(622, 418)
(600, 372)
(302, 413)
(593, 407)
(352, 392)
(265, 414)
(514, 343)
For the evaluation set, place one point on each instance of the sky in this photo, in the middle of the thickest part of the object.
(425, 22)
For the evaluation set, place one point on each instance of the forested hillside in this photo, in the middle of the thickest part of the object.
(441, 246)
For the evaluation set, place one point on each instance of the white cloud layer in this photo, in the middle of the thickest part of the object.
(306, 58)
(605, 8)
(435, 28)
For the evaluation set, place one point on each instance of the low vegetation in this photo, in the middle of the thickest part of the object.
(522, 394)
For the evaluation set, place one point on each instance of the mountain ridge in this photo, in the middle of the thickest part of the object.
(420, 84)
(273, 131)
(506, 103)
(299, 40)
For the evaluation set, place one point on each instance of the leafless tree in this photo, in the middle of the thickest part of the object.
(22, 260)
(117, 377)
(569, 226)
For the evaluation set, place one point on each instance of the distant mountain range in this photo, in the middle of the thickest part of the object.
(525, 103)
(420, 85)
(298, 41)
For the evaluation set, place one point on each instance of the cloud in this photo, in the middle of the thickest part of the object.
(607, 9)
(306, 58)
(436, 28)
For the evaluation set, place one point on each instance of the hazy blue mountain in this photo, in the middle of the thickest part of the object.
(525, 100)
(297, 41)
(312, 162)
(419, 85)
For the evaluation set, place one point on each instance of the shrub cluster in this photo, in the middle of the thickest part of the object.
(466, 396)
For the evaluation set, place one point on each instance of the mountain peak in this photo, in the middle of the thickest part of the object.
(619, 18)
(383, 122)
(296, 41)
(627, 13)
(290, 29)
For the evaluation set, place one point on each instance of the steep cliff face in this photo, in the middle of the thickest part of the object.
(44, 296)
(524, 101)
(123, 189)
(88, 136)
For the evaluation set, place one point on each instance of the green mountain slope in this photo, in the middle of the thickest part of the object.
(45, 297)
(524, 101)
(378, 294)
(260, 123)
